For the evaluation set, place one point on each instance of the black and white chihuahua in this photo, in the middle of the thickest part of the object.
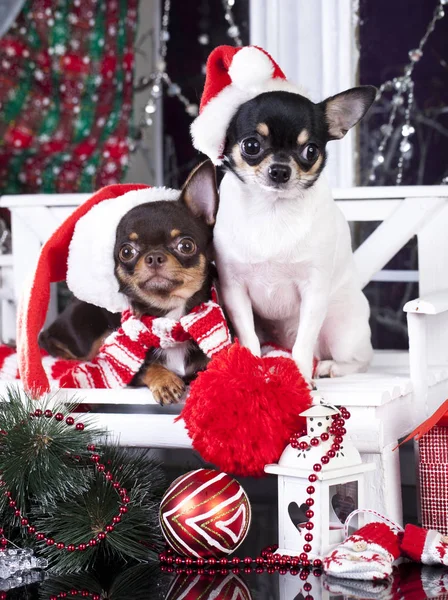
(282, 246)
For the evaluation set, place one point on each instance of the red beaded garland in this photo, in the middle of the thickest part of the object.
(268, 559)
(95, 458)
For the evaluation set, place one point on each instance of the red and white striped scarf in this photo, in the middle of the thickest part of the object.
(124, 351)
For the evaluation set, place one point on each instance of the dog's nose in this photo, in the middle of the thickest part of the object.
(155, 259)
(279, 173)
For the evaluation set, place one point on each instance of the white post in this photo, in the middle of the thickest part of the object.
(315, 45)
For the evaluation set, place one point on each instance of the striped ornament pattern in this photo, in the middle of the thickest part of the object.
(205, 514)
(208, 587)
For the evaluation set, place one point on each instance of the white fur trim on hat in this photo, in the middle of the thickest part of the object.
(90, 264)
(209, 129)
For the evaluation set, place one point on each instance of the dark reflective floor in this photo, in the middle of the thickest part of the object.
(146, 582)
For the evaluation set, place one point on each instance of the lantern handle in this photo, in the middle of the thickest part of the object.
(397, 528)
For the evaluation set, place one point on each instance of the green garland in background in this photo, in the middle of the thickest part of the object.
(66, 95)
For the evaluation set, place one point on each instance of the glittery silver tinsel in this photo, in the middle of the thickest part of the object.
(402, 89)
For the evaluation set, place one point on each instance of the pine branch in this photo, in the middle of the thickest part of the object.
(77, 520)
(40, 457)
(45, 465)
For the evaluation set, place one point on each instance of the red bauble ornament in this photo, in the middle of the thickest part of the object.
(205, 513)
(207, 587)
(242, 411)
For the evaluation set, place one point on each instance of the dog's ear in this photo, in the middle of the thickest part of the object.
(200, 192)
(344, 110)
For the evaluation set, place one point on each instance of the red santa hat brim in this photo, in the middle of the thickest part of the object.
(233, 76)
(90, 261)
(81, 251)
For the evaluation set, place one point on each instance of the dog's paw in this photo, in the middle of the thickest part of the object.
(326, 368)
(168, 390)
(331, 368)
(166, 386)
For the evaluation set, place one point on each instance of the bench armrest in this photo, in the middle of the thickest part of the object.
(431, 304)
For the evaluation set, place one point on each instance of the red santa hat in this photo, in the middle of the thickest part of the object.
(80, 251)
(234, 76)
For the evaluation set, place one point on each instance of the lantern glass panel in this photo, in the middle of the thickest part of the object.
(343, 499)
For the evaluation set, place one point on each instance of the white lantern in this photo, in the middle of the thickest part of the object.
(338, 489)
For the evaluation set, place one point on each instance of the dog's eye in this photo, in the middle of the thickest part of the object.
(186, 246)
(310, 152)
(251, 146)
(127, 253)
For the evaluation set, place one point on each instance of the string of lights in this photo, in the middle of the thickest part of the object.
(402, 90)
(160, 78)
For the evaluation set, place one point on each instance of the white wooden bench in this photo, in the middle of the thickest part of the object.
(387, 402)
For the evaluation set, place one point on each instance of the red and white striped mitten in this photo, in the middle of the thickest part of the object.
(425, 546)
(367, 554)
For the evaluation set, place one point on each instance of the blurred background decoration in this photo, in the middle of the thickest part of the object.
(66, 92)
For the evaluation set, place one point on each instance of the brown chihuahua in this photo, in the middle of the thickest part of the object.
(163, 263)
(163, 254)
